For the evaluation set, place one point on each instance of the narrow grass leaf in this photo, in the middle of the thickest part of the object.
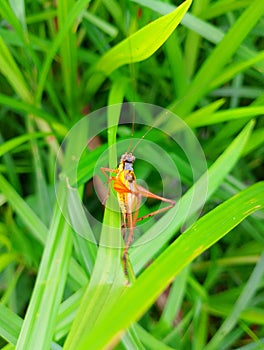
(248, 291)
(67, 313)
(9, 145)
(38, 326)
(131, 340)
(75, 12)
(116, 11)
(12, 73)
(27, 215)
(106, 284)
(234, 69)
(23, 108)
(204, 112)
(149, 340)
(68, 53)
(222, 7)
(256, 140)
(175, 298)
(205, 29)
(223, 116)
(177, 63)
(10, 324)
(101, 24)
(193, 40)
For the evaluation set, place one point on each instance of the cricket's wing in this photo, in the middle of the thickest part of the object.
(120, 187)
(145, 193)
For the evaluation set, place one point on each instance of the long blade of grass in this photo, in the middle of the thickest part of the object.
(10, 327)
(10, 324)
(68, 24)
(13, 74)
(31, 220)
(193, 40)
(248, 291)
(162, 271)
(68, 52)
(197, 119)
(106, 284)
(236, 68)
(38, 326)
(9, 145)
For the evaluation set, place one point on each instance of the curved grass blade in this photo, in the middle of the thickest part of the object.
(138, 47)
(165, 268)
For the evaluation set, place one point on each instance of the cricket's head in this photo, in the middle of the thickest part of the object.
(127, 159)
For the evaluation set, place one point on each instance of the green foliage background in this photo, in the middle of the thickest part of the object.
(60, 60)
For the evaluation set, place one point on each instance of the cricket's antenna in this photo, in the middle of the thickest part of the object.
(141, 139)
(159, 119)
(134, 87)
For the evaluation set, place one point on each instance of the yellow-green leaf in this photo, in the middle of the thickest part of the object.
(138, 46)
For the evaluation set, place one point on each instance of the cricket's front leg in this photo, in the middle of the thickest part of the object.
(109, 179)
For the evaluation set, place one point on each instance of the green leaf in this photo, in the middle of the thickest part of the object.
(65, 28)
(29, 217)
(13, 74)
(68, 51)
(138, 47)
(9, 145)
(196, 119)
(10, 324)
(38, 326)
